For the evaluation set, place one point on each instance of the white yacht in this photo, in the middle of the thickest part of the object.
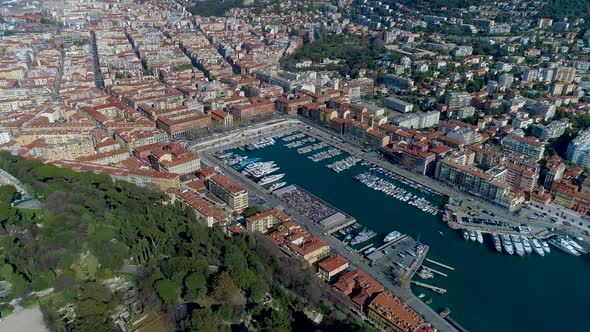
(546, 247)
(465, 234)
(507, 244)
(576, 246)
(270, 179)
(517, 245)
(392, 236)
(479, 237)
(537, 247)
(277, 186)
(472, 236)
(526, 244)
(564, 245)
(497, 242)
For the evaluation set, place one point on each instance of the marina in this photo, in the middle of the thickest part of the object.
(476, 264)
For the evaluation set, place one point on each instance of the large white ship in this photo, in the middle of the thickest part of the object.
(564, 245)
(270, 179)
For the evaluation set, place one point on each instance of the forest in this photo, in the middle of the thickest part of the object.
(92, 229)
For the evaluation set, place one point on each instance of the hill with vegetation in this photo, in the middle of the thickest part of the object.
(572, 9)
(94, 232)
(353, 51)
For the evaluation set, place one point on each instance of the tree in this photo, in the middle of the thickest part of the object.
(223, 288)
(167, 290)
(195, 285)
(273, 320)
(202, 320)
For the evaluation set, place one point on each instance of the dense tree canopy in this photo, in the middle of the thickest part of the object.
(91, 227)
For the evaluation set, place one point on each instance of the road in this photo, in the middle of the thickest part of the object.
(354, 258)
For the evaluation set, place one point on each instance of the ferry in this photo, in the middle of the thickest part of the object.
(507, 244)
(497, 242)
(546, 247)
(564, 245)
(526, 244)
(277, 186)
(363, 236)
(537, 247)
(270, 179)
(517, 244)
(472, 236)
(465, 234)
(479, 237)
(392, 236)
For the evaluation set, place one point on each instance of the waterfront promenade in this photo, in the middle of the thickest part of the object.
(353, 257)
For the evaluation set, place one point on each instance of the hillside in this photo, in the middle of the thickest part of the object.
(92, 228)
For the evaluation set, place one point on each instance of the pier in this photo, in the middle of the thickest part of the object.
(433, 288)
(434, 271)
(365, 248)
(440, 264)
(456, 325)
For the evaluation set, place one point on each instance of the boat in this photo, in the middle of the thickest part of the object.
(466, 235)
(472, 236)
(421, 296)
(564, 245)
(370, 250)
(277, 186)
(576, 246)
(526, 244)
(363, 236)
(517, 245)
(270, 179)
(392, 236)
(225, 155)
(538, 247)
(497, 242)
(546, 247)
(507, 244)
(479, 237)
(348, 237)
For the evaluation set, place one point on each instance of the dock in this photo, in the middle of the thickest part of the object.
(440, 264)
(455, 324)
(365, 247)
(434, 271)
(434, 288)
(392, 242)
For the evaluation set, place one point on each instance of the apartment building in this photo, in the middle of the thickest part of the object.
(230, 192)
(331, 267)
(389, 313)
(263, 221)
(489, 185)
(529, 146)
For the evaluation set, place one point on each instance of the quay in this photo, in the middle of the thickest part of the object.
(455, 324)
(434, 288)
(434, 271)
(440, 264)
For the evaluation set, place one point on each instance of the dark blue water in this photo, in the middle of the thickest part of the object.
(487, 291)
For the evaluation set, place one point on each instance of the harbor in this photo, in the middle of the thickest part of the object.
(475, 264)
